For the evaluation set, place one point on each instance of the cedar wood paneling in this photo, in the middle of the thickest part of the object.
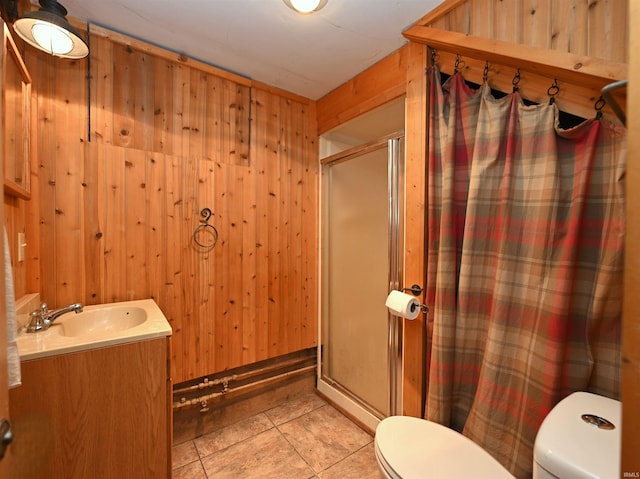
(120, 181)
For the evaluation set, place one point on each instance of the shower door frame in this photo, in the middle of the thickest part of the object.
(333, 391)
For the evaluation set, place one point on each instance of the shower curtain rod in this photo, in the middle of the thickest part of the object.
(568, 67)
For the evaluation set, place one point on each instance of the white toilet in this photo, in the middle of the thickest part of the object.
(575, 441)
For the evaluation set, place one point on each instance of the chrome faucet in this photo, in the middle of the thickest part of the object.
(42, 318)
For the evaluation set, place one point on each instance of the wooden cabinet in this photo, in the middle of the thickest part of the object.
(16, 115)
(103, 413)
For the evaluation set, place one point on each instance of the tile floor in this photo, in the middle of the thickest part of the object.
(301, 438)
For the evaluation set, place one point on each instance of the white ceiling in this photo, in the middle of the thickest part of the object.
(264, 39)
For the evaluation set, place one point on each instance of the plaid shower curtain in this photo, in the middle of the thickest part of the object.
(525, 246)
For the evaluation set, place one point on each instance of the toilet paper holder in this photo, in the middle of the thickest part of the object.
(416, 290)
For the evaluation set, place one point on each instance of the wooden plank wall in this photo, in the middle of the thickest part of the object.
(14, 219)
(415, 268)
(596, 29)
(381, 83)
(120, 187)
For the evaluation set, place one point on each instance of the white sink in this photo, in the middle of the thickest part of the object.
(103, 320)
(97, 326)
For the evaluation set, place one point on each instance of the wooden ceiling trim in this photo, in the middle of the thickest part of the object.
(440, 11)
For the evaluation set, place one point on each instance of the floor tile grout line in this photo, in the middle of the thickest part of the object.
(197, 458)
(204, 470)
(319, 406)
(315, 473)
(289, 420)
(265, 412)
(302, 415)
(201, 459)
(346, 458)
(273, 425)
(315, 407)
(236, 443)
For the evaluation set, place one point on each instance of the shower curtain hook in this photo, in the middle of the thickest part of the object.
(456, 67)
(599, 105)
(552, 91)
(516, 80)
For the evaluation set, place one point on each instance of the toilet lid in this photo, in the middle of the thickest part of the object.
(581, 437)
(409, 447)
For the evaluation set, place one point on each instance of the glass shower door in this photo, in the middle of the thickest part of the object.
(358, 224)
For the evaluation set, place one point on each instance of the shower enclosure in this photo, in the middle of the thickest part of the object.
(360, 347)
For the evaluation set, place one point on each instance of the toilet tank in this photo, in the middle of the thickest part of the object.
(579, 438)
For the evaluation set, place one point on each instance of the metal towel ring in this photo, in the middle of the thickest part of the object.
(205, 228)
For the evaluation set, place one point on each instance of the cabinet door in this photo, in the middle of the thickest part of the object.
(102, 413)
(17, 120)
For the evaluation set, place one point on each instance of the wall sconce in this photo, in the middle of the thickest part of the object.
(305, 6)
(48, 30)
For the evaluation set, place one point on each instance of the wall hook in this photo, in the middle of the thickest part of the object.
(206, 230)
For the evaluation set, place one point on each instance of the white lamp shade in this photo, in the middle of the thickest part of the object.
(52, 38)
(51, 33)
(305, 6)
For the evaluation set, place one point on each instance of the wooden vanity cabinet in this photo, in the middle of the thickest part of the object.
(103, 413)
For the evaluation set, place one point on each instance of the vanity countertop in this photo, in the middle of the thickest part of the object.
(53, 341)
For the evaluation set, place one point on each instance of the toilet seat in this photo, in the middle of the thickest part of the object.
(408, 447)
(384, 466)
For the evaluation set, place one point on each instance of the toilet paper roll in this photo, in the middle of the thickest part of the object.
(402, 304)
